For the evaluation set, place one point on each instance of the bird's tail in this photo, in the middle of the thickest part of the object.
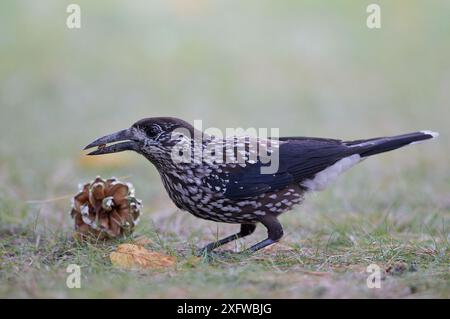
(384, 144)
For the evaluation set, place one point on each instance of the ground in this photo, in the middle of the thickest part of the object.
(307, 68)
(329, 243)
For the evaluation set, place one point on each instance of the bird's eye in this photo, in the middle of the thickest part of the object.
(153, 131)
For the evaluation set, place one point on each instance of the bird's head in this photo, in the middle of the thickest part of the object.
(152, 137)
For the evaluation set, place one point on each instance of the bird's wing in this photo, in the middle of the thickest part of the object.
(300, 159)
(248, 182)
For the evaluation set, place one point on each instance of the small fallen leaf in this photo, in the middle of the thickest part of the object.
(142, 241)
(132, 256)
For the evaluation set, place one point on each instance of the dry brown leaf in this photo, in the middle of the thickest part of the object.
(132, 256)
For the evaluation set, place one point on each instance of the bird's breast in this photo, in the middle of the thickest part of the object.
(194, 193)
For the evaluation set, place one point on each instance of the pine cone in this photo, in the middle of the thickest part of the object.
(105, 209)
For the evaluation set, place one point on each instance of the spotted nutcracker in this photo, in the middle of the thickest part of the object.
(239, 192)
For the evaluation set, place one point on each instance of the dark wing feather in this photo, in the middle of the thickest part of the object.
(248, 182)
(299, 159)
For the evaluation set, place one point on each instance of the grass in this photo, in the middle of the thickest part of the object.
(307, 67)
(324, 254)
(36, 268)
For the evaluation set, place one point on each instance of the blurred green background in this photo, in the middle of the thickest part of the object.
(310, 68)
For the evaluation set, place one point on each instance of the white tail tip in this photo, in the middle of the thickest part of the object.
(434, 134)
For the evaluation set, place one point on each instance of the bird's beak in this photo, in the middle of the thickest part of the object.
(128, 139)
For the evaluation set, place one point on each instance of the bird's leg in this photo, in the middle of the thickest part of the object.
(274, 230)
(246, 229)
